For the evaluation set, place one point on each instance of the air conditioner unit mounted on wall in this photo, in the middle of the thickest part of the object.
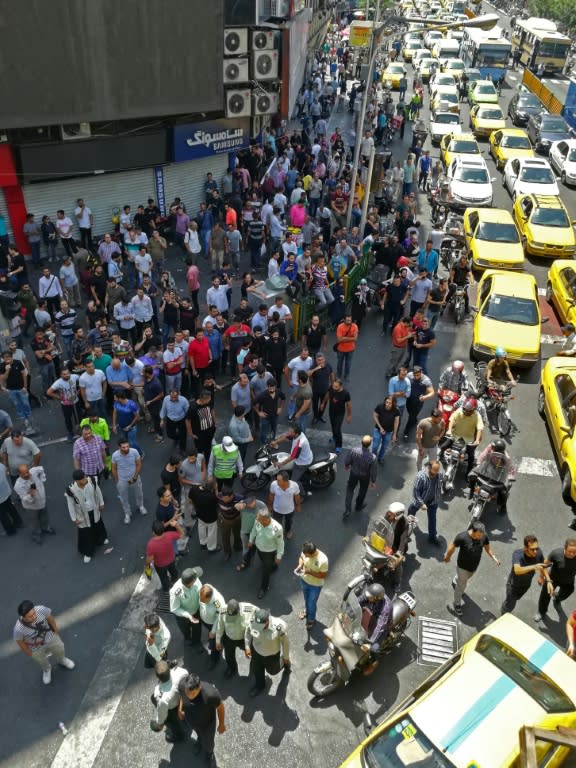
(72, 131)
(238, 103)
(264, 103)
(236, 71)
(262, 40)
(235, 41)
(277, 9)
(265, 65)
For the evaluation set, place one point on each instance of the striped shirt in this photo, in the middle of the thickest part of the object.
(106, 250)
(37, 634)
(362, 463)
(427, 490)
(89, 454)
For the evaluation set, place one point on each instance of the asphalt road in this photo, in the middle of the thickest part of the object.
(105, 701)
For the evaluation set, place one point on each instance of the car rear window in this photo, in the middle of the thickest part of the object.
(525, 674)
(403, 745)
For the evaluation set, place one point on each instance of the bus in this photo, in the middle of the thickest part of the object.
(487, 51)
(540, 44)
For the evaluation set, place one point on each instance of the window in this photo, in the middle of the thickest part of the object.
(485, 290)
(537, 175)
(511, 309)
(403, 744)
(516, 142)
(550, 217)
(553, 50)
(497, 232)
(525, 674)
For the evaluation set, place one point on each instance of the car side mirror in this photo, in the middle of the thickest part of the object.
(492, 178)
(567, 431)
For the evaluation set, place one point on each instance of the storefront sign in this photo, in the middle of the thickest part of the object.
(195, 140)
(160, 192)
(360, 33)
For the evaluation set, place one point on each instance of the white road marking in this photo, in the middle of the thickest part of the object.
(541, 291)
(52, 442)
(540, 467)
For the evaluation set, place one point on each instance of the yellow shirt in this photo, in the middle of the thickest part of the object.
(306, 181)
(465, 427)
(318, 562)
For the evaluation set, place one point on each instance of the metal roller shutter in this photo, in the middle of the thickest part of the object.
(101, 193)
(186, 180)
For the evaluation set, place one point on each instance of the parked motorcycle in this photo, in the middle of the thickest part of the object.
(320, 474)
(447, 400)
(346, 636)
(454, 455)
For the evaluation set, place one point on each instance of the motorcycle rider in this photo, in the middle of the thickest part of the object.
(466, 423)
(461, 277)
(498, 370)
(401, 529)
(495, 465)
(376, 622)
(454, 378)
(300, 453)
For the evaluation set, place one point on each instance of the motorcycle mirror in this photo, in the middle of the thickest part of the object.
(369, 724)
(492, 179)
(544, 320)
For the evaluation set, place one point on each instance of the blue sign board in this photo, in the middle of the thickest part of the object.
(195, 140)
(160, 193)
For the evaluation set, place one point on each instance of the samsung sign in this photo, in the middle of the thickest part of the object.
(195, 140)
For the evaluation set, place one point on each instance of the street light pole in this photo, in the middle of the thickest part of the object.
(486, 22)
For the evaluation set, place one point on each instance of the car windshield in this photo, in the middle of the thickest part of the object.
(516, 142)
(525, 674)
(395, 68)
(510, 309)
(572, 156)
(537, 175)
(402, 746)
(465, 147)
(485, 88)
(455, 65)
(452, 98)
(472, 175)
(529, 101)
(490, 114)
(446, 117)
(498, 232)
(550, 217)
(553, 125)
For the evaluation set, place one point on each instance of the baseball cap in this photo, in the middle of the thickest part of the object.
(189, 575)
(228, 444)
(261, 616)
(233, 607)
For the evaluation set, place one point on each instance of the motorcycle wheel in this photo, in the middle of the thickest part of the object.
(323, 479)
(476, 512)
(459, 313)
(324, 682)
(254, 482)
(504, 423)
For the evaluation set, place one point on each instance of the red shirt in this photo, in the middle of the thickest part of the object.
(398, 332)
(231, 217)
(161, 548)
(199, 353)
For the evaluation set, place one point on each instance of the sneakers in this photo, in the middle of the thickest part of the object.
(539, 617)
(143, 511)
(127, 519)
(458, 610)
(67, 663)
(47, 676)
(87, 559)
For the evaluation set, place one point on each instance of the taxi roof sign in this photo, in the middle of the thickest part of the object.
(360, 33)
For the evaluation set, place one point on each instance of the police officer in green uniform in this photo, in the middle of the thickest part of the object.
(233, 631)
(270, 648)
(211, 604)
(185, 605)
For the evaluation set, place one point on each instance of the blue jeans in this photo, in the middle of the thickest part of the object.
(291, 408)
(380, 443)
(303, 420)
(173, 382)
(20, 402)
(420, 357)
(344, 363)
(130, 435)
(205, 236)
(432, 509)
(35, 253)
(267, 427)
(311, 595)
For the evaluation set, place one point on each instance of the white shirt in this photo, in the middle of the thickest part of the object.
(125, 222)
(49, 287)
(64, 227)
(306, 456)
(218, 297)
(283, 503)
(137, 373)
(282, 310)
(143, 263)
(289, 247)
(267, 210)
(192, 240)
(93, 385)
(280, 201)
(297, 364)
(83, 217)
(67, 390)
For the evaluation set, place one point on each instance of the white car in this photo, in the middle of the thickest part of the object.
(470, 182)
(529, 175)
(420, 53)
(562, 157)
(431, 37)
(440, 79)
(442, 123)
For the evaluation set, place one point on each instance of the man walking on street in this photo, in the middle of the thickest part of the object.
(37, 635)
(233, 631)
(347, 337)
(429, 433)
(284, 499)
(166, 698)
(339, 407)
(559, 578)
(470, 544)
(185, 605)
(525, 563)
(85, 506)
(31, 491)
(266, 538)
(270, 648)
(421, 390)
(200, 703)
(126, 469)
(426, 493)
(363, 467)
(313, 569)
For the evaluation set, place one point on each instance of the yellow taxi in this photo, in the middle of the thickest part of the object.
(545, 226)
(453, 144)
(507, 314)
(492, 239)
(557, 406)
(409, 47)
(468, 712)
(393, 73)
(561, 289)
(485, 118)
(444, 98)
(507, 143)
(454, 67)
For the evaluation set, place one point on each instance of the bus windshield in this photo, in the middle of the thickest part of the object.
(553, 49)
(490, 55)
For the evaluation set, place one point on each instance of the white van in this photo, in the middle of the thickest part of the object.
(446, 49)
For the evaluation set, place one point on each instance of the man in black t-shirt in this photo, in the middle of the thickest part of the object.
(525, 563)
(314, 337)
(470, 545)
(202, 423)
(339, 406)
(13, 377)
(559, 581)
(200, 703)
(268, 407)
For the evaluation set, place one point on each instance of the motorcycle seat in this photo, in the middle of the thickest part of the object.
(375, 556)
(321, 455)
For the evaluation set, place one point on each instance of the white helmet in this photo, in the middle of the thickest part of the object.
(458, 365)
(397, 508)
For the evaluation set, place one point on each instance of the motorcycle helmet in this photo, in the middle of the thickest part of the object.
(457, 366)
(397, 508)
(500, 352)
(470, 404)
(499, 446)
(375, 592)
(363, 281)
